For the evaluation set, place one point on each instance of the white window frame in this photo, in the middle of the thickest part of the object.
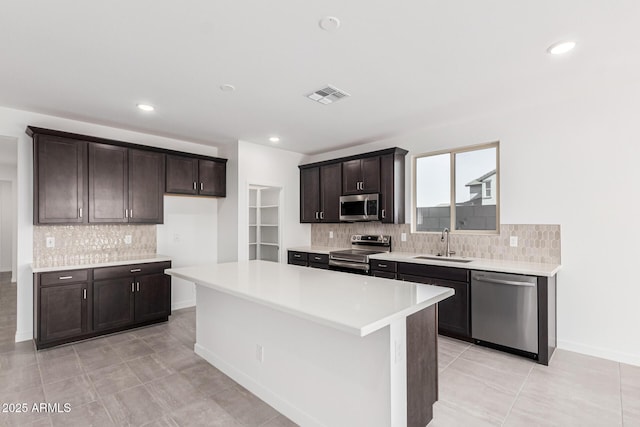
(452, 172)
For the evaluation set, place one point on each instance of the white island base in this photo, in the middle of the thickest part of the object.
(316, 369)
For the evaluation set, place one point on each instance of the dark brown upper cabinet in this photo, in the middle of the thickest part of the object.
(80, 179)
(60, 181)
(392, 188)
(108, 183)
(125, 185)
(192, 175)
(322, 184)
(320, 189)
(146, 187)
(361, 176)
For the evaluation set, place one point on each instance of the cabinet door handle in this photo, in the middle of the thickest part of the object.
(133, 289)
(195, 185)
(126, 213)
(297, 255)
(317, 216)
(136, 270)
(384, 214)
(382, 265)
(317, 258)
(321, 215)
(130, 213)
(138, 286)
(80, 212)
(201, 186)
(84, 294)
(65, 277)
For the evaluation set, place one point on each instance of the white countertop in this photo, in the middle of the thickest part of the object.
(317, 249)
(137, 259)
(352, 303)
(528, 268)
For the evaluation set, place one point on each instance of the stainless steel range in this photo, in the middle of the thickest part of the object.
(356, 259)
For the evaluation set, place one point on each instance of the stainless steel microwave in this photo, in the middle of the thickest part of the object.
(360, 207)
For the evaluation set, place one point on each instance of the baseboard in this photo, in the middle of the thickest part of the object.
(24, 336)
(183, 304)
(604, 353)
(280, 404)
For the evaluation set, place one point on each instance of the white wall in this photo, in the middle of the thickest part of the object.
(228, 209)
(574, 163)
(188, 236)
(6, 225)
(13, 124)
(253, 164)
(262, 165)
(8, 174)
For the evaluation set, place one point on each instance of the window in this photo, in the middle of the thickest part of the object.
(487, 189)
(466, 178)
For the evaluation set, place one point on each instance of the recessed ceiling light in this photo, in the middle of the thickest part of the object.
(227, 88)
(561, 47)
(329, 23)
(274, 139)
(146, 107)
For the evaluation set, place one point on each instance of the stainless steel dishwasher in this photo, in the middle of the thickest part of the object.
(504, 310)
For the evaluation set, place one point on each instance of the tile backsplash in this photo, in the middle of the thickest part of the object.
(536, 243)
(85, 244)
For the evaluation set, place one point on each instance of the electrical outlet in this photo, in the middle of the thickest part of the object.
(51, 242)
(259, 353)
(331, 234)
(403, 237)
(127, 239)
(513, 241)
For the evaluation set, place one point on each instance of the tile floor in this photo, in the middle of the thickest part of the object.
(151, 377)
(483, 387)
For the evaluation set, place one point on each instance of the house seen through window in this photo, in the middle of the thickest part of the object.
(465, 178)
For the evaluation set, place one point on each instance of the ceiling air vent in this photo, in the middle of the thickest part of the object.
(328, 95)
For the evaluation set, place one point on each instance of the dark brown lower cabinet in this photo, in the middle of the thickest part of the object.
(453, 312)
(63, 311)
(112, 304)
(153, 297)
(77, 304)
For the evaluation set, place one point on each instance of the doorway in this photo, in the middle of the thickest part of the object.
(8, 239)
(264, 223)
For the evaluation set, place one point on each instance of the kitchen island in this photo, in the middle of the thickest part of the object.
(322, 347)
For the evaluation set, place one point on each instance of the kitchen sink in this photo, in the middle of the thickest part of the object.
(442, 258)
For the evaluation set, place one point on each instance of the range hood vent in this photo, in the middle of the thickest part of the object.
(328, 95)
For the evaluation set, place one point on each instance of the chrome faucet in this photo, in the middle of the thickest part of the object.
(447, 251)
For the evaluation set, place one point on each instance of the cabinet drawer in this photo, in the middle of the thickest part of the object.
(319, 258)
(319, 265)
(63, 277)
(434, 271)
(298, 257)
(384, 274)
(391, 266)
(130, 270)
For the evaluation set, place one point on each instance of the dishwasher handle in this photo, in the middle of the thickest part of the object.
(503, 282)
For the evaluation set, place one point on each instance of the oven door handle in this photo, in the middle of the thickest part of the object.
(352, 265)
(338, 258)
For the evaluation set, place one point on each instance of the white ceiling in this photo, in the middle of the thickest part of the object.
(407, 64)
